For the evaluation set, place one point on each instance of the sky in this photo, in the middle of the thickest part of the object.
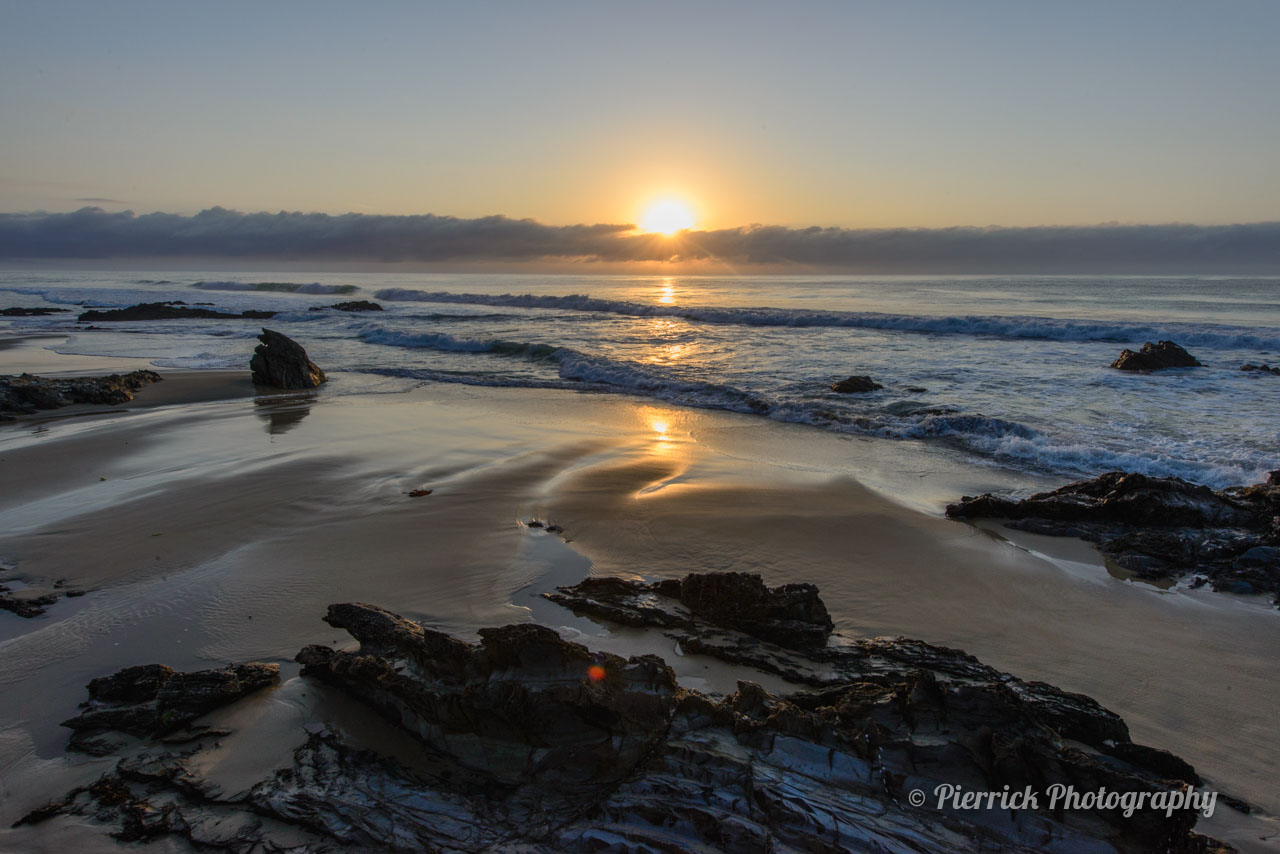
(850, 115)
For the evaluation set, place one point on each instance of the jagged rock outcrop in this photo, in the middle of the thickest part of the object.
(27, 393)
(538, 745)
(1158, 527)
(152, 700)
(169, 311)
(281, 362)
(1156, 357)
(856, 385)
(31, 312)
(792, 615)
(351, 305)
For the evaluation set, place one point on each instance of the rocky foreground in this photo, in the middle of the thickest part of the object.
(536, 744)
(26, 393)
(1159, 528)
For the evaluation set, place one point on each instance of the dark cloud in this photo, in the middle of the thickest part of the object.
(221, 233)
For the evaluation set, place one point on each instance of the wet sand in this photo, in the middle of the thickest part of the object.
(210, 524)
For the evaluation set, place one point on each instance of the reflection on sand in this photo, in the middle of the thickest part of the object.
(283, 412)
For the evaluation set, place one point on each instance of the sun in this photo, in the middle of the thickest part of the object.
(667, 216)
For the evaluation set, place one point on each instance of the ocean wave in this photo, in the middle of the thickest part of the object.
(1014, 326)
(999, 440)
(277, 287)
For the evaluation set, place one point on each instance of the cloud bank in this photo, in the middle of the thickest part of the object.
(219, 233)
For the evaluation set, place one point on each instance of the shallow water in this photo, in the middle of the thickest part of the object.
(1013, 371)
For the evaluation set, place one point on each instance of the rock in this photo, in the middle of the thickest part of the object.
(1156, 357)
(353, 305)
(856, 385)
(791, 615)
(28, 393)
(30, 312)
(1263, 368)
(169, 311)
(152, 700)
(25, 606)
(281, 362)
(538, 745)
(1161, 528)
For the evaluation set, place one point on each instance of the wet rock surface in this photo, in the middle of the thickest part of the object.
(536, 744)
(30, 312)
(168, 311)
(792, 615)
(152, 700)
(25, 606)
(1156, 357)
(1264, 368)
(281, 362)
(351, 305)
(27, 393)
(856, 385)
(1159, 528)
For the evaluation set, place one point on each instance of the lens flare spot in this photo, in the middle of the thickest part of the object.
(595, 672)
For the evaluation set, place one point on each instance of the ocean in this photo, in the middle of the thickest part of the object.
(1011, 371)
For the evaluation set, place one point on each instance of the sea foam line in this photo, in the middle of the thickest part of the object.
(997, 439)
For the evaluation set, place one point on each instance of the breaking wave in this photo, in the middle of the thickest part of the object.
(997, 439)
(1028, 327)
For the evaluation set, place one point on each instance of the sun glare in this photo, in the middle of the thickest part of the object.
(667, 216)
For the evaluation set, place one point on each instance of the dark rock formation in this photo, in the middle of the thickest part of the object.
(856, 385)
(1158, 527)
(282, 362)
(791, 615)
(169, 311)
(25, 606)
(539, 745)
(27, 393)
(533, 731)
(30, 312)
(1156, 357)
(353, 305)
(1263, 368)
(152, 700)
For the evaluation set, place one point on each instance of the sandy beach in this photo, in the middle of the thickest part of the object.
(206, 523)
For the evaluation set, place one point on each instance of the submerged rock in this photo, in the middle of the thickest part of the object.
(352, 305)
(1156, 357)
(25, 606)
(169, 311)
(1264, 368)
(537, 745)
(856, 385)
(281, 362)
(31, 312)
(28, 393)
(1157, 527)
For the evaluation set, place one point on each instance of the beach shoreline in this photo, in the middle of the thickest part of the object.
(217, 526)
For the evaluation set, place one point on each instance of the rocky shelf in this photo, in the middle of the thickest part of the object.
(26, 393)
(1159, 528)
(537, 744)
